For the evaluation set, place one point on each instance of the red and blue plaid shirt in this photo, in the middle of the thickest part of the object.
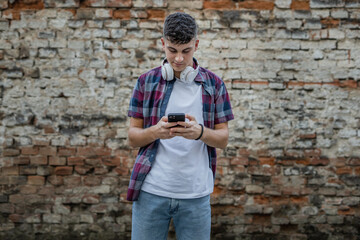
(149, 100)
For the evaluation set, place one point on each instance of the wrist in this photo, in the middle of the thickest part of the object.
(201, 133)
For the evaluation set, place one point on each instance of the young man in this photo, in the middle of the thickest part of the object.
(180, 155)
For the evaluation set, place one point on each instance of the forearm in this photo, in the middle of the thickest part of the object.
(217, 138)
(139, 137)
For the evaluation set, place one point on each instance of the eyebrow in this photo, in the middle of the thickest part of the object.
(171, 48)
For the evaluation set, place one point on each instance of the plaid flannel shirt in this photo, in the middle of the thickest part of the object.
(149, 100)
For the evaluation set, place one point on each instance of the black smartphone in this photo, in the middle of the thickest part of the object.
(176, 117)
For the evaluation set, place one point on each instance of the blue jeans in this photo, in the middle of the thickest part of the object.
(151, 216)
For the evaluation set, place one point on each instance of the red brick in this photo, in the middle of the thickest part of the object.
(83, 169)
(264, 220)
(56, 180)
(39, 160)
(112, 161)
(93, 161)
(67, 151)
(308, 136)
(12, 14)
(319, 161)
(63, 170)
(30, 150)
(299, 200)
(357, 171)
(48, 151)
(156, 14)
(348, 83)
(261, 200)
(72, 180)
(257, 4)
(330, 23)
(10, 152)
(36, 180)
(28, 5)
(21, 160)
(300, 5)
(75, 161)
(7, 171)
(122, 14)
(267, 161)
(122, 171)
(344, 170)
(57, 161)
(103, 151)
(345, 210)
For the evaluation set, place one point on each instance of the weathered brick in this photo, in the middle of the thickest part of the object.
(8, 152)
(36, 180)
(13, 170)
(39, 160)
(75, 161)
(56, 180)
(63, 170)
(53, 160)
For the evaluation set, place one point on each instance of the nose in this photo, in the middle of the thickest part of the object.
(179, 58)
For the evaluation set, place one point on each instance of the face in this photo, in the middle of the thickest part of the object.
(179, 55)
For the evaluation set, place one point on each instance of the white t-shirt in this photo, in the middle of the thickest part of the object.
(181, 168)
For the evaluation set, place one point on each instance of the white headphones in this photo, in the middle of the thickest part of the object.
(187, 75)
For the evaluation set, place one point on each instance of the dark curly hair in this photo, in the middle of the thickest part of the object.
(180, 28)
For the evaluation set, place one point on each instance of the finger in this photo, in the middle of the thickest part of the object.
(191, 118)
(164, 119)
(169, 125)
(179, 130)
(184, 124)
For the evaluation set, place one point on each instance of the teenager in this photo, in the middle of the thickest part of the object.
(174, 172)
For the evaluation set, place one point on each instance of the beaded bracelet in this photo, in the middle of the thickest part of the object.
(202, 131)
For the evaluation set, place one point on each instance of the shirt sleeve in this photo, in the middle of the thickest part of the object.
(136, 101)
(223, 111)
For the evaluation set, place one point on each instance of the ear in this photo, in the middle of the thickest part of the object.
(196, 44)
(163, 43)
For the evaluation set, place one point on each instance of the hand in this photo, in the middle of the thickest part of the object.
(162, 129)
(188, 130)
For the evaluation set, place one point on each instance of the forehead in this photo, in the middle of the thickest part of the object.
(179, 46)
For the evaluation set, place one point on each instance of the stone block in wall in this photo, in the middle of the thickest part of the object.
(4, 4)
(61, 3)
(326, 3)
(107, 3)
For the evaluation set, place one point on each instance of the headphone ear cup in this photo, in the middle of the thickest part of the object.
(167, 72)
(184, 75)
(189, 74)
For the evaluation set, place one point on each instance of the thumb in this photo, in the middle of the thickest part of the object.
(164, 119)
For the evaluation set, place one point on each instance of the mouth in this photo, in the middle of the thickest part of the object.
(178, 64)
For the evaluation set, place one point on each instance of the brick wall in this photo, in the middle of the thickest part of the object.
(67, 69)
